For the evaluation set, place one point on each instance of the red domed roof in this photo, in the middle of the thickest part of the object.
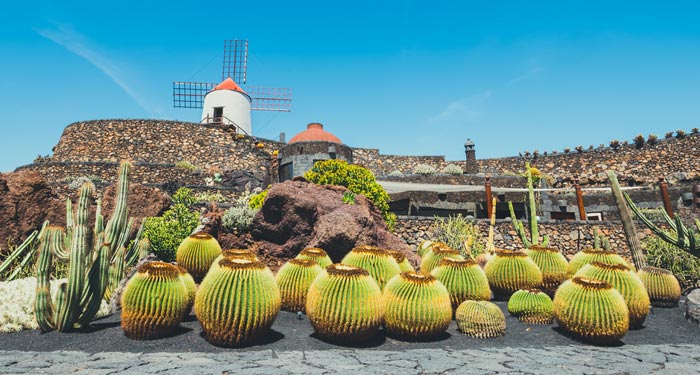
(315, 132)
(229, 84)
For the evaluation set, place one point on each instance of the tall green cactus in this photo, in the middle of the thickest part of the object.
(532, 217)
(627, 224)
(678, 234)
(97, 258)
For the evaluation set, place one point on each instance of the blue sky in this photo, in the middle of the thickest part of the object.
(410, 77)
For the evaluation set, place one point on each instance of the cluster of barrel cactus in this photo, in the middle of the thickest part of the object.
(531, 306)
(378, 262)
(553, 265)
(510, 271)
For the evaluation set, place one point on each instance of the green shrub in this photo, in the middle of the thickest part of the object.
(452, 169)
(357, 179)
(166, 232)
(424, 169)
(240, 215)
(459, 233)
(662, 254)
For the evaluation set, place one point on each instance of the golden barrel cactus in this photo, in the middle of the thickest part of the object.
(416, 306)
(316, 254)
(404, 264)
(591, 310)
(626, 282)
(510, 271)
(437, 252)
(553, 265)
(237, 302)
(344, 304)
(464, 280)
(424, 247)
(380, 265)
(154, 301)
(531, 306)
(591, 255)
(197, 253)
(481, 319)
(294, 279)
(190, 287)
(662, 286)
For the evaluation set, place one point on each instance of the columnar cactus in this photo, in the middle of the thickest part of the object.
(437, 252)
(464, 280)
(591, 310)
(591, 255)
(294, 279)
(531, 306)
(416, 306)
(663, 288)
(553, 265)
(344, 304)
(197, 253)
(154, 302)
(510, 271)
(404, 264)
(316, 254)
(237, 302)
(97, 257)
(626, 282)
(380, 265)
(481, 319)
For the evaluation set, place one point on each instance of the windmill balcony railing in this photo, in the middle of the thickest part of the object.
(223, 120)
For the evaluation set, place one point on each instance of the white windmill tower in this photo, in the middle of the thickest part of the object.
(228, 103)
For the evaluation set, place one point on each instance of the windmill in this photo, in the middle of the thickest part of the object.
(227, 102)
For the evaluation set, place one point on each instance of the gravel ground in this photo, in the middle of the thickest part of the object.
(667, 344)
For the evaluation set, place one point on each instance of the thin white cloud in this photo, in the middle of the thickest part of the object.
(529, 74)
(68, 38)
(463, 109)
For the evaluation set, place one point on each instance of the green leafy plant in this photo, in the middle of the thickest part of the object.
(684, 266)
(357, 179)
(416, 306)
(256, 200)
(349, 197)
(166, 232)
(458, 233)
(240, 216)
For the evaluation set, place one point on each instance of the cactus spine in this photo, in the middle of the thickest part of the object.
(510, 271)
(589, 255)
(552, 264)
(663, 288)
(626, 282)
(316, 254)
(380, 265)
(591, 310)
(154, 302)
(197, 253)
(404, 264)
(294, 279)
(531, 306)
(237, 302)
(344, 304)
(93, 254)
(464, 280)
(481, 319)
(437, 252)
(416, 306)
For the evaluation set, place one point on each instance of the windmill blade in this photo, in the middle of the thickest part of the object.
(270, 98)
(235, 60)
(190, 94)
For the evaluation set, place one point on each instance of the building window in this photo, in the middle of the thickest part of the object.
(218, 114)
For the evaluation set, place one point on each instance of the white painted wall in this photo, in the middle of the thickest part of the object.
(236, 108)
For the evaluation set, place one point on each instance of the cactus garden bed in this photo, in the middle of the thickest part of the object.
(663, 326)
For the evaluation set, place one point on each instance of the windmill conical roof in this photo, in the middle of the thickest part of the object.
(229, 84)
(315, 132)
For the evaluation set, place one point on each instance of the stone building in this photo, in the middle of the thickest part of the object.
(308, 147)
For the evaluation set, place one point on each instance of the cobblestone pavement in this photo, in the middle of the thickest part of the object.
(569, 360)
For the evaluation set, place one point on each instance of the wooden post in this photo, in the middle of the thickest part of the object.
(579, 200)
(664, 196)
(489, 196)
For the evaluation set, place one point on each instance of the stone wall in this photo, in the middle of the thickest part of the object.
(566, 236)
(382, 165)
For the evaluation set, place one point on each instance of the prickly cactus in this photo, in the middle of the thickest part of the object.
(510, 271)
(404, 264)
(380, 265)
(154, 301)
(591, 255)
(553, 265)
(464, 280)
(294, 279)
(197, 253)
(437, 252)
(482, 319)
(316, 254)
(416, 306)
(662, 286)
(424, 247)
(531, 306)
(237, 302)
(591, 310)
(344, 304)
